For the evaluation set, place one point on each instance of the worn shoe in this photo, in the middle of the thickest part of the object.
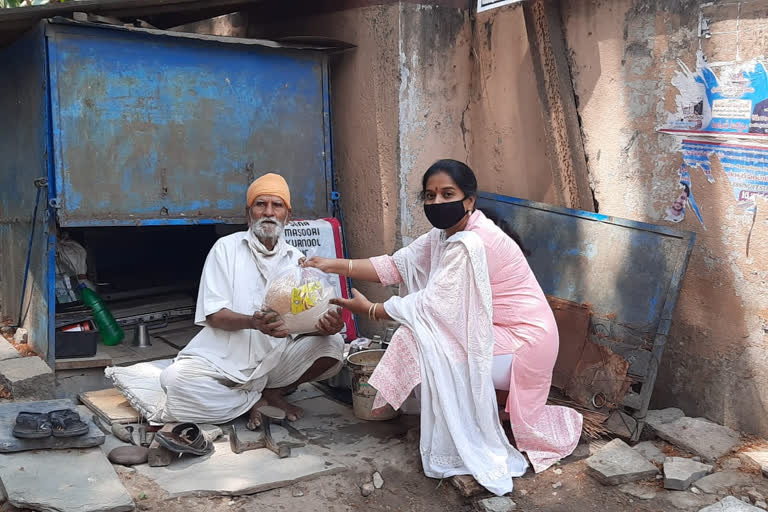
(67, 423)
(185, 438)
(32, 425)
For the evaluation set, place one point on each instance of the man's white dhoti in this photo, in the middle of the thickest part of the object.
(221, 374)
(198, 392)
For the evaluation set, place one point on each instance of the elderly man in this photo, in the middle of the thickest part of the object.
(244, 358)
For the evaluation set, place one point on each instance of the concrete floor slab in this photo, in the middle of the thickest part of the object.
(64, 481)
(226, 473)
(332, 440)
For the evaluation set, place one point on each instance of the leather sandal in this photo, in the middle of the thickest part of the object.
(32, 425)
(185, 438)
(67, 423)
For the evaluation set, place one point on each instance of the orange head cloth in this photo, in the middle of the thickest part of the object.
(269, 185)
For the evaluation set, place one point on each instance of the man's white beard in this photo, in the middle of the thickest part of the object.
(267, 229)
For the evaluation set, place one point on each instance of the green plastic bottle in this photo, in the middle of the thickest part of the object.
(111, 333)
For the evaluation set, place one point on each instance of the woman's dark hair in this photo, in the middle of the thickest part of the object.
(686, 188)
(466, 180)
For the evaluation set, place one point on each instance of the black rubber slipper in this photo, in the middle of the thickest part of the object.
(185, 438)
(67, 423)
(32, 425)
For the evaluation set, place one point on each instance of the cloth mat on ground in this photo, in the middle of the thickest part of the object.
(140, 383)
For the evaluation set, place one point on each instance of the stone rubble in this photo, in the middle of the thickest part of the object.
(497, 504)
(616, 463)
(700, 437)
(730, 504)
(655, 418)
(378, 481)
(754, 495)
(650, 451)
(638, 490)
(719, 483)
(680, 473)
(7, 351)
(27, 378)
(756, 458)
(685, 500)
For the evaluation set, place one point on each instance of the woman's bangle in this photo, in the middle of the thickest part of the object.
(349, 268)
(372, 312)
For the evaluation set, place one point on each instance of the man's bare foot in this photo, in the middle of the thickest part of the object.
(254, 422)
(275, 398)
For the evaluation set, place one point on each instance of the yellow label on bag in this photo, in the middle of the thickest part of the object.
(305, 297)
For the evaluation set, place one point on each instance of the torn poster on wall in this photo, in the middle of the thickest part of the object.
(745, 166)
(724, 114)
(676, 211)
(733, 104)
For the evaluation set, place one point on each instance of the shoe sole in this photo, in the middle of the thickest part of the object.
(70, 433)
(31, 435)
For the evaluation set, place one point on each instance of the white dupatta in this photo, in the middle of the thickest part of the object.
(449, 313)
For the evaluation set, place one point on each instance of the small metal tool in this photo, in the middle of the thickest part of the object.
(267, 415)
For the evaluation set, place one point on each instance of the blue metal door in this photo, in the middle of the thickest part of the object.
(155, 129)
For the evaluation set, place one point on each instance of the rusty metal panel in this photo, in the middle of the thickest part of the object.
(161, 130)
(622, 269)
(24, 150)
(573, 324)
(628, 273)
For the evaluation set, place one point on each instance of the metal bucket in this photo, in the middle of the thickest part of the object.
(361, 366)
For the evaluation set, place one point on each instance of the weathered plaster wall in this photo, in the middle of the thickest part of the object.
(435, 70)
(468, 92)
(425, 82)
(508, 148)
(623, 56)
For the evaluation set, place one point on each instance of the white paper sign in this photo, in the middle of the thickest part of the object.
(732, 109)
(484, 5)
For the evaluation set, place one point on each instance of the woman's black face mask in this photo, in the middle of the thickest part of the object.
(445, 215)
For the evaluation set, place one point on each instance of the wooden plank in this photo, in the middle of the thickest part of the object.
(110, 405)
(159, 456)
(100, 360)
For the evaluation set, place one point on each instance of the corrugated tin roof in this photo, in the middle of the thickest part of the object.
(159, 13)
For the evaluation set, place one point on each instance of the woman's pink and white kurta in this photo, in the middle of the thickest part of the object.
(522, 324)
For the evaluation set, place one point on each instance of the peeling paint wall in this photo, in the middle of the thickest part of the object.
(508, 147)
(468, 92)
(425, 82)
(623, 57)
(435, 68)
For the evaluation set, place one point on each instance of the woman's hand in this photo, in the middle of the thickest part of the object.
(324, 264)
(358, 304)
